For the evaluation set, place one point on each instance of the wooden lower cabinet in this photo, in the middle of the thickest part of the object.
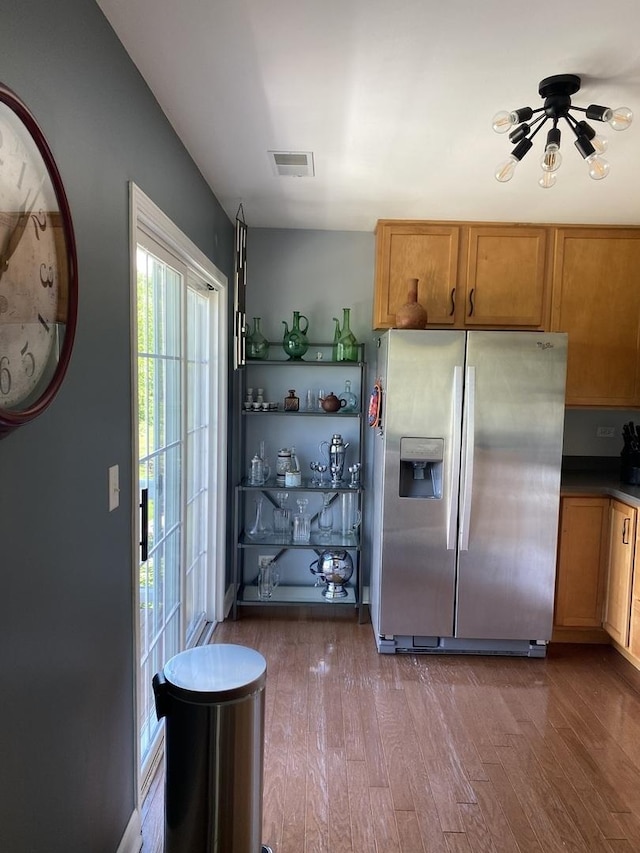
(622, 539)
(634, 629)
(582, 570)
(634, 624)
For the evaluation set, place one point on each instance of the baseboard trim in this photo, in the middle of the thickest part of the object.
(580, 635)
(626, 654)
(132, 839)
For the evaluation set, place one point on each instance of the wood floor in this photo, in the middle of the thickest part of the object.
(368, 753)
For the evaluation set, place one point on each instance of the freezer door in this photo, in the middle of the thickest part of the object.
(510, 484)
(418, 521)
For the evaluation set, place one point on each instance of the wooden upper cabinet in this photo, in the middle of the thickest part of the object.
(408, 250)
(468, 275)
(506, 281)
(596, 299)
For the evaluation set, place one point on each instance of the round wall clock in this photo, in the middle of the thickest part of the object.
(38, 269)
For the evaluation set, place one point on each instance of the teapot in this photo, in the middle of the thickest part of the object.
(331, 403)
(334, 568)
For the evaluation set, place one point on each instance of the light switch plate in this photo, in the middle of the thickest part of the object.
(114, 487)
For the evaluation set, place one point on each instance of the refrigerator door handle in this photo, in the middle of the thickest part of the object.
(469, 446)
(454, 486)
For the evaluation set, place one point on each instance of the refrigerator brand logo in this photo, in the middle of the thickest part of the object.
(544, 345)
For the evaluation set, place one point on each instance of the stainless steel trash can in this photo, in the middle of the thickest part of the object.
(212, 699)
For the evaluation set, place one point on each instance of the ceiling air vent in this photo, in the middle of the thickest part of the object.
(293, 164)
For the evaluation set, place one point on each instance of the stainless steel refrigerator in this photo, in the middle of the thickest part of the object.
(466, 490)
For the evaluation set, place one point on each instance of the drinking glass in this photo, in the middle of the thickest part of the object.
(268, 579)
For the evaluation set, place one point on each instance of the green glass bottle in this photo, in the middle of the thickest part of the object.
(257, 344)
(347, 347)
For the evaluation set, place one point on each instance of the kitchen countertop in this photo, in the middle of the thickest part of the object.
(596, 476)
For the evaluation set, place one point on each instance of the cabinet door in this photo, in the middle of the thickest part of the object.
(622, 526)
(582, 562)
(408, 250)
(596, 299)
(506, 277)
(634, 626)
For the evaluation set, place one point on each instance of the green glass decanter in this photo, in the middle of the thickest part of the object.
(257, 344)
(295, 342)
(347, 347)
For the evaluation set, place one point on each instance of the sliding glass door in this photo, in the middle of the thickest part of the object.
(179, 366)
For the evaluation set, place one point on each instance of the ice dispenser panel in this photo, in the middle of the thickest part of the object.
(421, 467)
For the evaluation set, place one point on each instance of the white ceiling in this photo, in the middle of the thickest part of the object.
(395, 100)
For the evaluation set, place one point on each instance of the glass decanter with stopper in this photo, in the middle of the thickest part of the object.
(351, 401)
(302, 523)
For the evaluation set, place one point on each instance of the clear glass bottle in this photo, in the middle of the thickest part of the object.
(266, 467)
(347, 347)
(351, 401)
(325, 516)
(336, 338)
(259, 529)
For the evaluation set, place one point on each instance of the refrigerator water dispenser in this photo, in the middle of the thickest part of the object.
(421, 468)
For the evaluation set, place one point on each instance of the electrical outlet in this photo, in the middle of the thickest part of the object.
(264, 560)
(605, 432)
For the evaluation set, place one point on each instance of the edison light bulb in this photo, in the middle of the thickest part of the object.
(548, 179)
(505, 170)
(620, 118)
(504, 121)
(551, 159)
(600, 144)
(598, 168)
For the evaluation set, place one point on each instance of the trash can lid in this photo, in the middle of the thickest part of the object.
(216, 673)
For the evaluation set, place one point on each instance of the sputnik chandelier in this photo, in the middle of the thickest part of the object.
(557, 92)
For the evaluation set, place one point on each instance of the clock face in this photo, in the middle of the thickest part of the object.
(37, 268)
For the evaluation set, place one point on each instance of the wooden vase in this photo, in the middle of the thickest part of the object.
(411, 315)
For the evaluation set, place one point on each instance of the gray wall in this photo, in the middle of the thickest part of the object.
(66, 715)
(581, 431)
(66, 630)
